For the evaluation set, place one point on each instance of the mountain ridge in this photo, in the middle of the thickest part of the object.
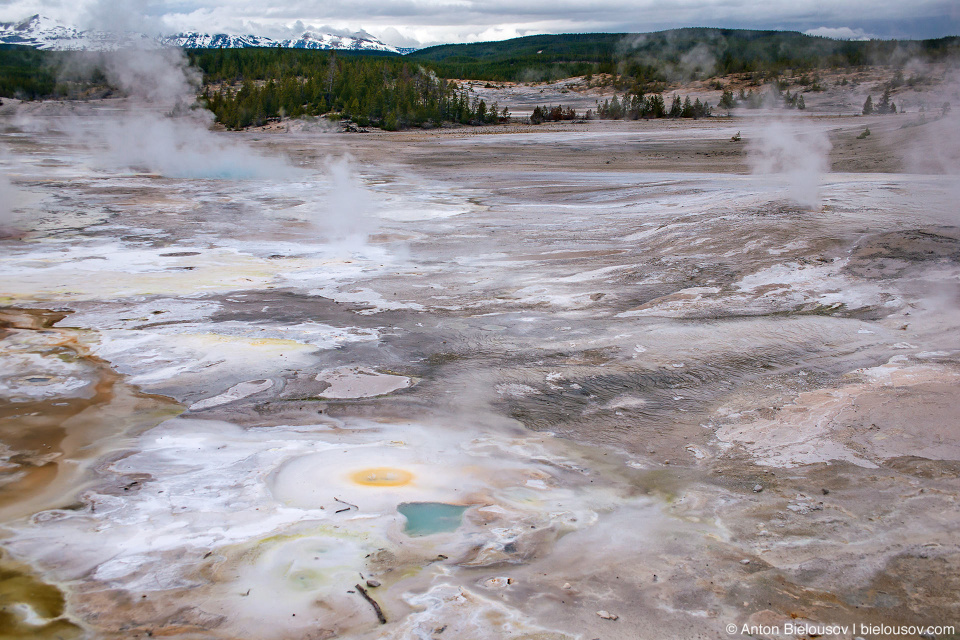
(43, 33)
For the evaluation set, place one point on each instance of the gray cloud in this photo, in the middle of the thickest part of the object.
(406, 22)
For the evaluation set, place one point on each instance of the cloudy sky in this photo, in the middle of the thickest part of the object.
(423, 22)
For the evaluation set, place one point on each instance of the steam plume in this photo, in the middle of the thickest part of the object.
(164, 131)
(8, 196)
(344, 213)
(798, 154)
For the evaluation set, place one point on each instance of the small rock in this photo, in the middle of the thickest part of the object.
(826, 492)
(606, 615)
(745, 561)
(373, 584)
(757, 488)
(567, 585)
(498, 582)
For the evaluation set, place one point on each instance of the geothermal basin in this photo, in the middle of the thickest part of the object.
(579, 381)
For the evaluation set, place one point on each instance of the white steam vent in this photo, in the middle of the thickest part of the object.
(797, 154)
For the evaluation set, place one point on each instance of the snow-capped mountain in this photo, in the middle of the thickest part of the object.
(194, 40)
(307, 41)
(43, 33)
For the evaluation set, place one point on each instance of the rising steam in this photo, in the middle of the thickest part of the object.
(8, 197)
(182, 147)
(163, 130)
(934, 140)
(796, 153)
(11, 199)
(344, 213)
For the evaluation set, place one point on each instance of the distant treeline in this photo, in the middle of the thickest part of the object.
(245, 87)
(31, 74)
(630, 107)
(636, 106)
(26, 73)
(757, 99)
(387, 92)
(251, 86)
(666, 56)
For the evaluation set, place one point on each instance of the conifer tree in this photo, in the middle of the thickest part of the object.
(884, 106)
(676, 109)
(726, 100)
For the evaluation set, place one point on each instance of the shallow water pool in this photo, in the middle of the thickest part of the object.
(426, 518)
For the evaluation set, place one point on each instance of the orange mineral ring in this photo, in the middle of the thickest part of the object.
(382, 477)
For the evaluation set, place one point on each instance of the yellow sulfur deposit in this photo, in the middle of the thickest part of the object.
(382, 477)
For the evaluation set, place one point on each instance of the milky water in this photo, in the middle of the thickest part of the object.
(507, 401)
